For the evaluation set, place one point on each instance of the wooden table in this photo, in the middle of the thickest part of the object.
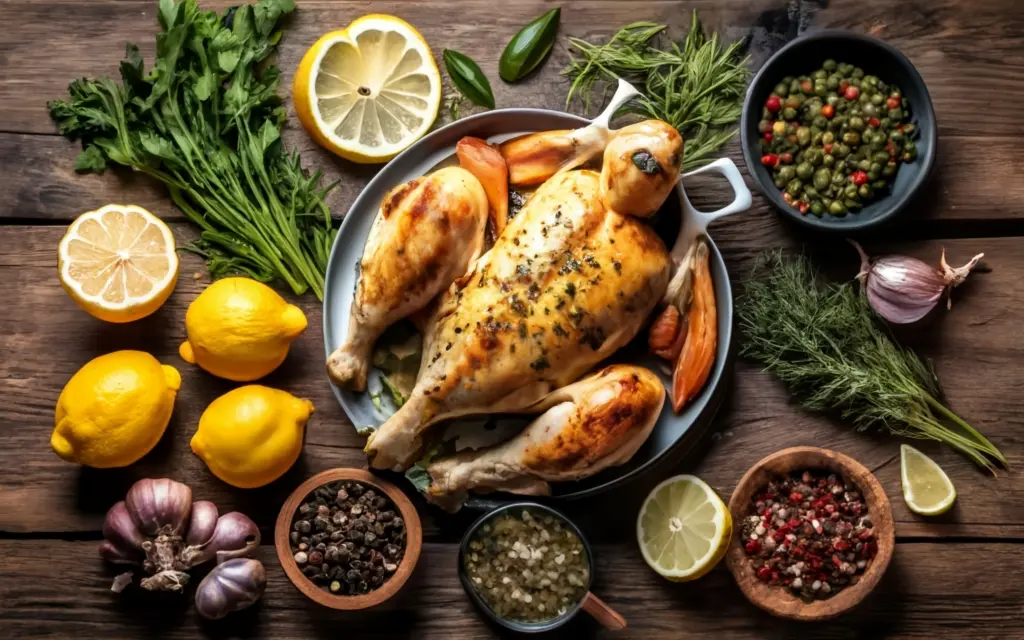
(951, 576)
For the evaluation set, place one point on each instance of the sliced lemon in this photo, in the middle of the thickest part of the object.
(118, 262)
(683, 528)
(926, 487)
(368, 91)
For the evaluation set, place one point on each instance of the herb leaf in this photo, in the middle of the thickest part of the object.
(468, 78)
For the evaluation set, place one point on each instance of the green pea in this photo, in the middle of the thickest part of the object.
(910, 146)
(828, 160)
(855, 111)
(828, 137)
(779, 182)
(813, 156)
(794, 86)
(817, 208)
(837, 208)
(909, 128)
(880, 157)
(810, 193)
(909, 156)
(897, 136)
(832, 83)
(858, 73)
(851, 204)
(864, 165)
(822, 178)
(787, 80)
(879, 184)
(816, 136)
(781, 90)
(829, 65)
(865, 192)
(820, 74)
(821, 88)
(789, 113)
(874, 175)
(838, 177)
(882, 87)
(845, 68)
(804, 170)
(787, 172)
(889, 170)
(857, 123)
(842, 150)
(832, 100)
(794, 186)
(869, 110)
(851, 137)
(803, 136)
(896, 114)
(850, 191)
(877, 99)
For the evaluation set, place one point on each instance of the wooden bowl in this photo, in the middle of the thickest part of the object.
(778, 600)
(413, 543)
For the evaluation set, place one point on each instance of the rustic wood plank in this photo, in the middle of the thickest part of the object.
(976, 183)
(940, 38)
(45, 339)
(930, 591)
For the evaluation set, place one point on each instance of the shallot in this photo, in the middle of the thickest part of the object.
(159, 528)
(903, 290)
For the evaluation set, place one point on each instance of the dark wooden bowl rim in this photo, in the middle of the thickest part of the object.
(413, 543)
(777, 600)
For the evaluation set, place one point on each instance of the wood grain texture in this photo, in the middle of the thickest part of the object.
(931, 591)
(45, 338)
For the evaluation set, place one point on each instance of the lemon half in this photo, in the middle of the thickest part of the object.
(368, 91)
(926, 487)
(118, 262)
(683, 528)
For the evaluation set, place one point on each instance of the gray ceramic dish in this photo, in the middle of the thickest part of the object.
(672, 432)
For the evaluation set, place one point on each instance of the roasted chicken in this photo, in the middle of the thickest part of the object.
(586, 427)
(426, 234)
(568, 282)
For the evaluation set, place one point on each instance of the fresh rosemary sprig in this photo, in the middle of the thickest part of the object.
(697, 88)
(823, 342)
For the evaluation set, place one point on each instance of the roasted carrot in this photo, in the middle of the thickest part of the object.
(487, 164)
(667, 334)
(698, 354)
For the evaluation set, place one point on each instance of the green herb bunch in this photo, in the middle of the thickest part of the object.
(824, 343)
(206, 122)
(698, 87)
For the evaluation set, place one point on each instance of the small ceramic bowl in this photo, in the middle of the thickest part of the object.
(777, 600)
(803, 56)
(413, 543)
(605, 615)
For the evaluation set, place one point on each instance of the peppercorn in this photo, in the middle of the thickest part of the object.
(342, 555)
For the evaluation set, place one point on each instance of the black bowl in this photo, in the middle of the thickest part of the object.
(515, 625)
(804, 55)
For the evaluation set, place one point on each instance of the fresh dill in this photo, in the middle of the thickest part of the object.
(824, 343)
(698, 87)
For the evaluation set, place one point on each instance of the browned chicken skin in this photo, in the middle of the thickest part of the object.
(567, 284)
(425, 235)
(586, 427)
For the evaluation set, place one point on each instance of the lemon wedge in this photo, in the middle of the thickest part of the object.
(683, 528)
(368, 91)
(118, 262)
(926, 487)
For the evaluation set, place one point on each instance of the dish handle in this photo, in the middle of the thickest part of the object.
(695, 223)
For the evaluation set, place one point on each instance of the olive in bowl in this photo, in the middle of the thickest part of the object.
(819, 117)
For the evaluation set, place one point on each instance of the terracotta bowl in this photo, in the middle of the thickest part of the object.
(413, 544)
(779, 601)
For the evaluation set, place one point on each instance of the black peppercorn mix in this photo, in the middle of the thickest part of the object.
(348, 538)
(809, 532)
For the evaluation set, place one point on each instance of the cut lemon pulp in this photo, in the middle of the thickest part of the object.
(368, 91)
(683, 528)
(926, 487)
(118, 262)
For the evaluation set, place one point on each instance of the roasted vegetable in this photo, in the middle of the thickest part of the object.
(486, 163)
(698, 354)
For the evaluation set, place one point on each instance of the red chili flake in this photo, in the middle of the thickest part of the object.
(802, 206)
(796, 496)
(893, 103)
(779, 536)
(828, 111)
(752, 547)
(807, 86)
(773, 104)
(874, 122)
(851, 93)
(768, 136)
(770, 160)
(828, 148)
(859, 178)
(864, 534)
(764, 574)
(841, 545)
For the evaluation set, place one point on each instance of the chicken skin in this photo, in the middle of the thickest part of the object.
(586, 427)
(566, 285)
(426, 234)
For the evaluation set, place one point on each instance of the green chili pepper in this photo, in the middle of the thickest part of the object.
(529, 47)
(468, 78)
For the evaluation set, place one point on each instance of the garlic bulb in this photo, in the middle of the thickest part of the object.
(159, 528)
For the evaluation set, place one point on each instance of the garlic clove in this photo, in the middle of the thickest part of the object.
(120, 530)
(235, 536)
(231, 586)
(118, 555)
(159, 506)
(202, 523)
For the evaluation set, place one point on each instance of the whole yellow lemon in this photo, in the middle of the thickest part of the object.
(240, 329)
(114, 409)
(250, 436)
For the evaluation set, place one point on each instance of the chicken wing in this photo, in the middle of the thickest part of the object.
(588, 426)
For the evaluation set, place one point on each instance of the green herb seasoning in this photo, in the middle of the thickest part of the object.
(529, 47)
(468, 78)
(528, 566)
